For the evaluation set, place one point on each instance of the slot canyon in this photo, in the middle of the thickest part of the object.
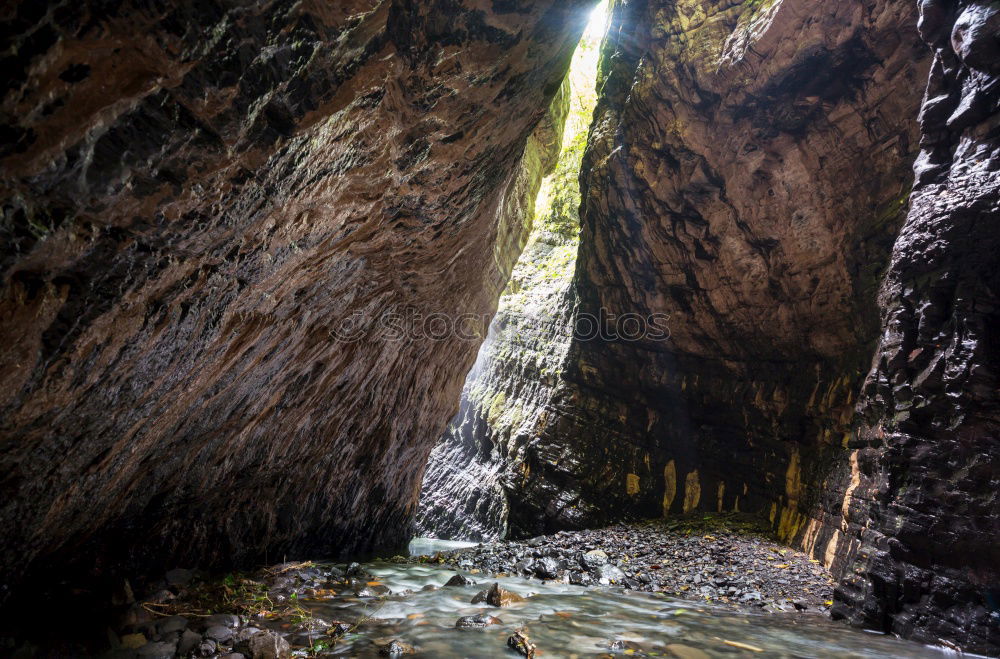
(654, 327)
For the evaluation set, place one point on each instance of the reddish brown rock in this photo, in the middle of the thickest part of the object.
(197, 196)
(747, 171)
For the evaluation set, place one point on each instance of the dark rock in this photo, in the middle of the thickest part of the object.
(545, 568)
(188, 642)
(460, 580)
(157, 650)
(222, 620)
(158, 240)
(395, 649)
(206, 648)
(478, 621)
(219, 633)
(179, 577)
(520, 643)
(923, 557)
(172, 624)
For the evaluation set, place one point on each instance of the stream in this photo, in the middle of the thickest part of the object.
(574, 621)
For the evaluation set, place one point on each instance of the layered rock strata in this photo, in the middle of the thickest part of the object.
(201, 200)
(746, 174)
(926, 488)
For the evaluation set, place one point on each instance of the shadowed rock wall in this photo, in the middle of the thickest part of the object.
(926, 482)
(195, 195)
(747, 171)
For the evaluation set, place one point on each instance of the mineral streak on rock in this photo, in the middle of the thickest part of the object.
(196, 195)
(926, 488)
(746, 174)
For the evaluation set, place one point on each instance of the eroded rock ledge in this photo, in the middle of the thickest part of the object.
(195, 196)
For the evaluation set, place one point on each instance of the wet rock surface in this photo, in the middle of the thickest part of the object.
(728, 187)
(926, 454)
(730, 561)
(313, 610)
(199, 199)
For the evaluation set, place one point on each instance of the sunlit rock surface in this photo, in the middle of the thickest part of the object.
(196, 195)
(747, 172)
(927, 451)
(464, 494)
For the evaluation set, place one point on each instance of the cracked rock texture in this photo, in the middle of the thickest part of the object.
(746, 175)
(196, 197)
(927, 479)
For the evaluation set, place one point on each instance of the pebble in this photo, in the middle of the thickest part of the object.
(725, 559)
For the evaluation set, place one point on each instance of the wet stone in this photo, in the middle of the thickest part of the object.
(460, 580)
(266, 645)
(478, 621)
(497, 596)
(172, 624)
(520, 643)
(395, 648)
(157, 650)
(223, 620)
(219, 633)
(189, 641)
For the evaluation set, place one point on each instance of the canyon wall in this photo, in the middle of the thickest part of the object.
(747, 172)
(203, 203)
(926, 487)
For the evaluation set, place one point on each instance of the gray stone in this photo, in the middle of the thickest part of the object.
(189, 641)
(219, 633)
(266, 645)
(157, 650)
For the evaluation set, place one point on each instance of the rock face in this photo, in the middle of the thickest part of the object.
(204, 203)
(475, 473)
(926, 489)
(746, 174)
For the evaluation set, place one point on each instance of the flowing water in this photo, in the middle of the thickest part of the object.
(574, 621)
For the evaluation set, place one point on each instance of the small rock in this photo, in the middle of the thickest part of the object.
(520, 643)
(460, 580)
(134, 641)
(207, 648)
(478, 621)
(546, 568)
(395, 649)
(172, 624)
(266, 645)
(232, 655)
(188, 642)
(223, 620)
(497, 596)
(219, 633)
(608, 574)
(593, 559)
(157, 651)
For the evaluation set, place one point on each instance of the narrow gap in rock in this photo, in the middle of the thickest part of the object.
(463, 496)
